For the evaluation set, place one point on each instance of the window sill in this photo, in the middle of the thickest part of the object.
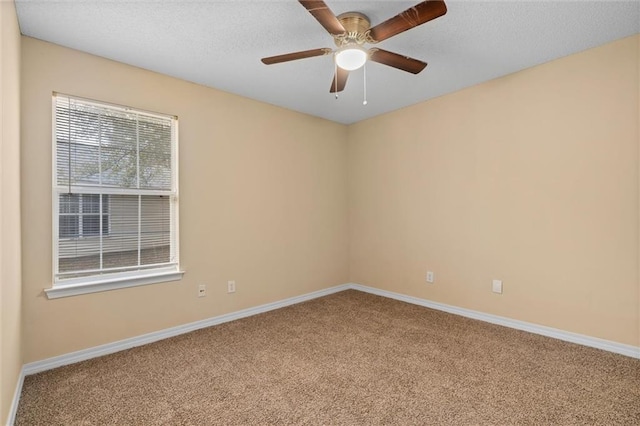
(95, 285)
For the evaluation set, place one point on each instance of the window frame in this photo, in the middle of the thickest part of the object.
(144, 274)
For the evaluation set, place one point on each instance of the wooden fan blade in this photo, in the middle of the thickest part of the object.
(296, 55)
(394, 60)
(341, 76)
(324, 15)
(412, 17)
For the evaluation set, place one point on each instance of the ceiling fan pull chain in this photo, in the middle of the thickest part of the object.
(364, 79)
(335, 76)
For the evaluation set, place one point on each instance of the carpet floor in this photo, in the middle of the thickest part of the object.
(350, 358)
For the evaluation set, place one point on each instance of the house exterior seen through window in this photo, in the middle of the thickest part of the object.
(114, 196)
(81, 215)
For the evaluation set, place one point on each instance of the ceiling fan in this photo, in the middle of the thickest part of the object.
(351, 30)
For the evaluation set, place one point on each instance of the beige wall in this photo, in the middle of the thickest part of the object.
(10, 292)
(531, 178)
(262, 201)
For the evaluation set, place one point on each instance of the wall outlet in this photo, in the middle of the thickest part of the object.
(231, 286)
(496, 286)
(202, 290)
(430, 277)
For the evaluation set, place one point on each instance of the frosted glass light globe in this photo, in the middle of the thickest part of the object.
(351, 59)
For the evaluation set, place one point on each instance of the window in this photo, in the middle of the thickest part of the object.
(80, 215)
(115, 197)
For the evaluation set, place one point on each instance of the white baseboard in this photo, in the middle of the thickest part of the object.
(109, 348)
(13, 410)
(581, 339)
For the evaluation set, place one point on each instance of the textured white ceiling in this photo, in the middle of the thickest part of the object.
(220, 43)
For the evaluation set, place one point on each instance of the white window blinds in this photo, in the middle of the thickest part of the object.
(115, 190)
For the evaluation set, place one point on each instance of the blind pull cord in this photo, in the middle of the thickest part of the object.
(69, 140)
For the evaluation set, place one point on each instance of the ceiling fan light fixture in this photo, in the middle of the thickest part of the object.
(351, 58)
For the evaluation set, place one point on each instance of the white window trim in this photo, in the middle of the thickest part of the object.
(100, 283)
(95, 284)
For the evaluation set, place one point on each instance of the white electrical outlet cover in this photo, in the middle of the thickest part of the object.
(497, 286)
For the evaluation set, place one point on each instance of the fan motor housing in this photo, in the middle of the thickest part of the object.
(356, 26)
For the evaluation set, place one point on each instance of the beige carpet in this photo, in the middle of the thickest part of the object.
(350, 359)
